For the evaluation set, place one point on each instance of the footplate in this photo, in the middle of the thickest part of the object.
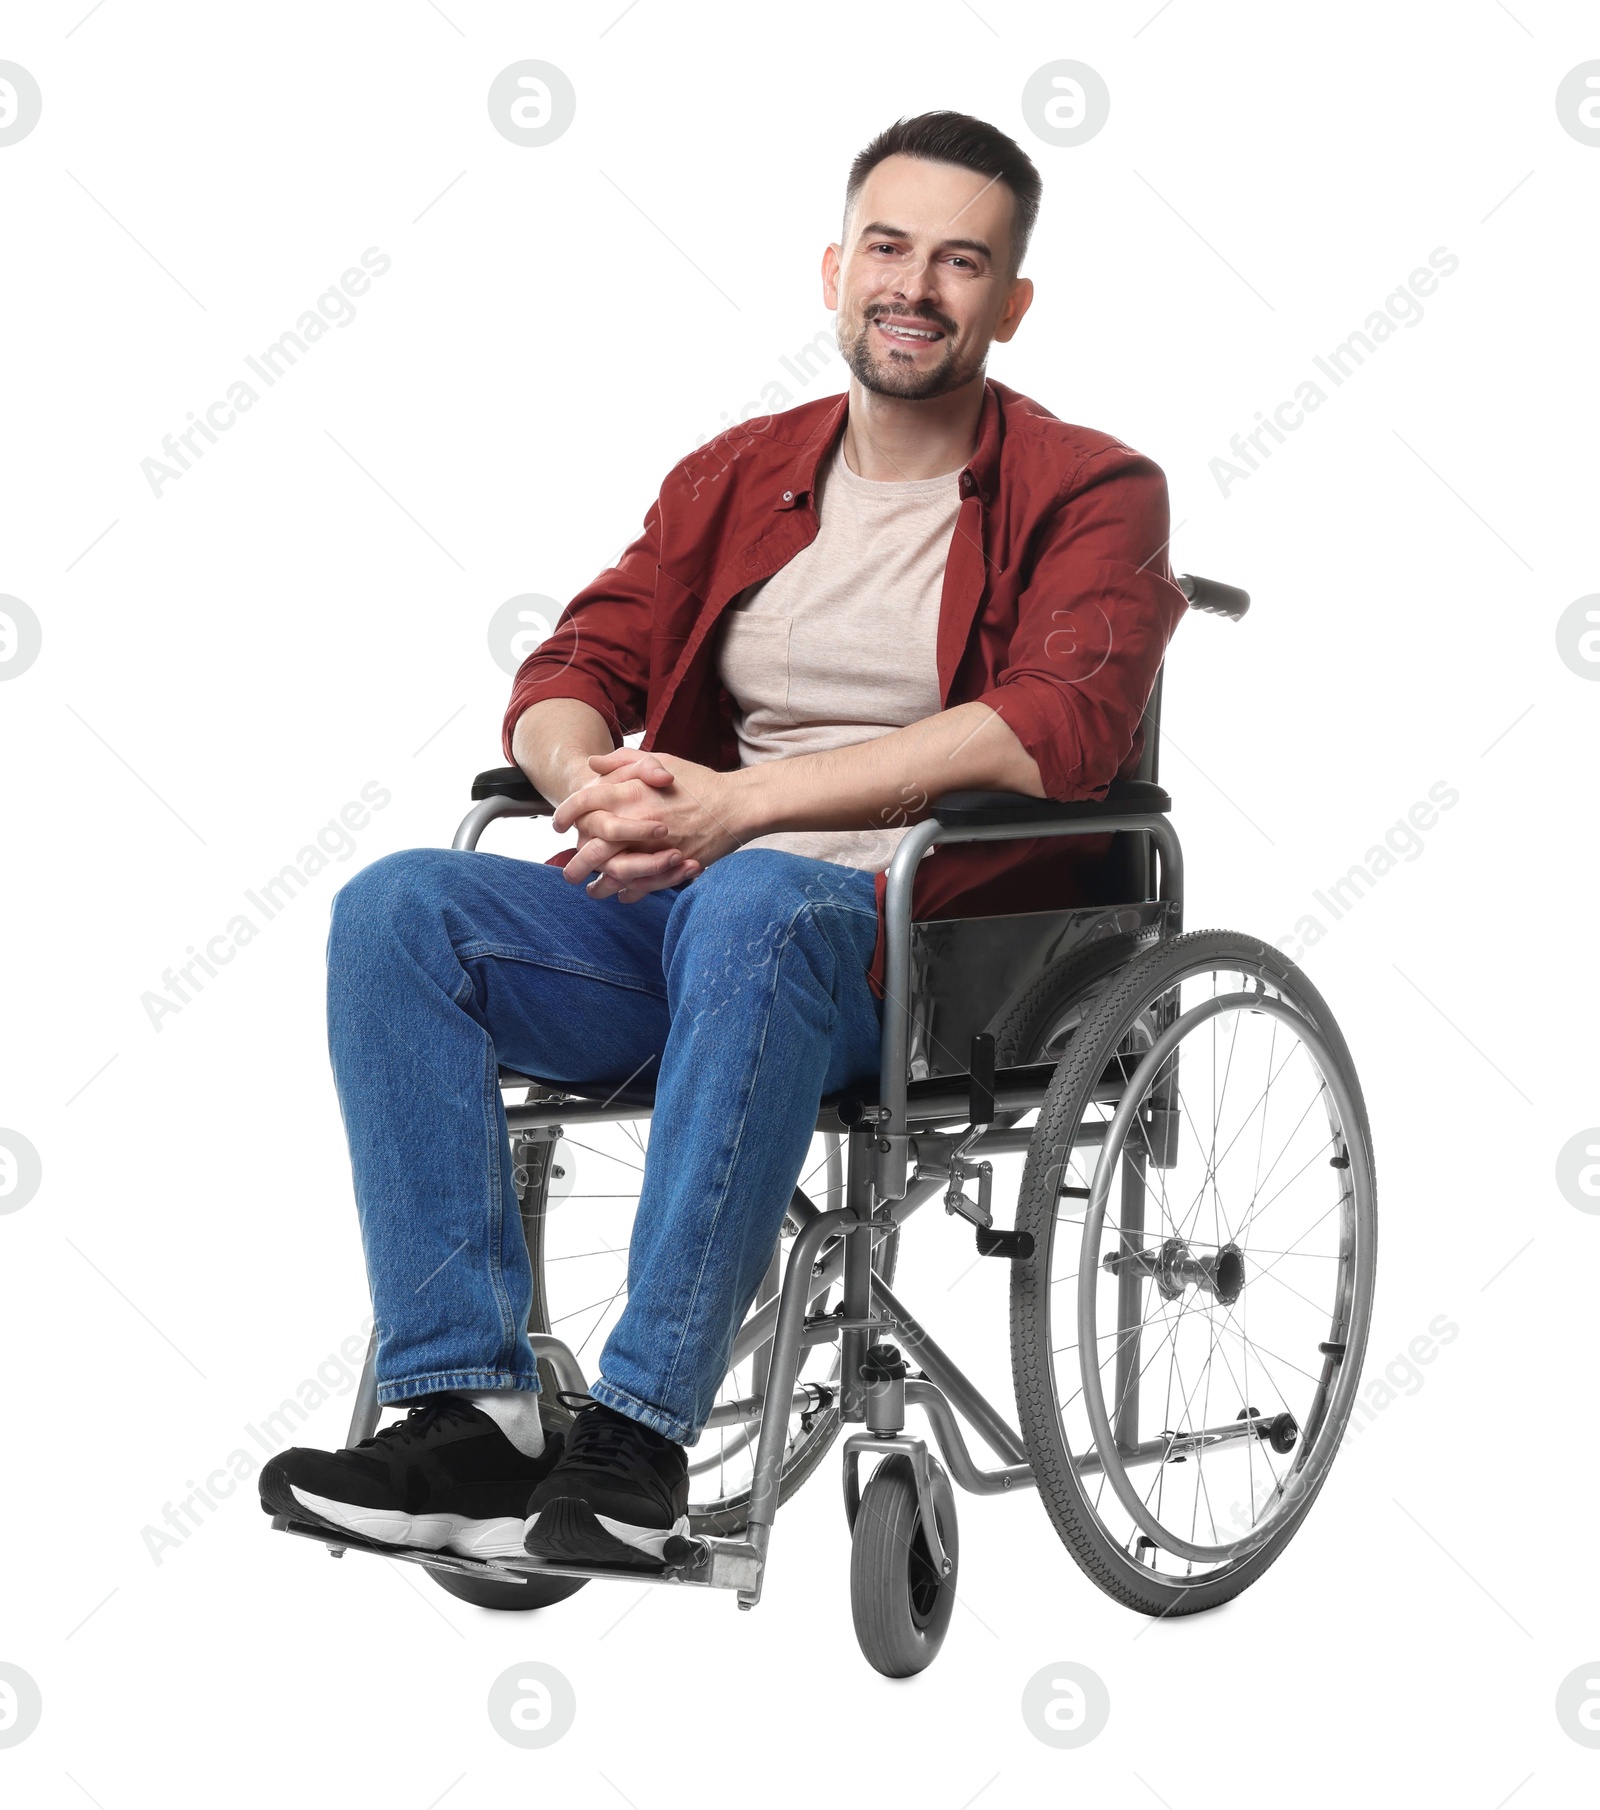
(716, 1564)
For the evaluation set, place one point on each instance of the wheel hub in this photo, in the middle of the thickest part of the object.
(1174, 1267)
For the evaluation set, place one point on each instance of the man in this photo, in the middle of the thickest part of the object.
(830, 618)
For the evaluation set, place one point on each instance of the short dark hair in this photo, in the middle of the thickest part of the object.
(946, 137)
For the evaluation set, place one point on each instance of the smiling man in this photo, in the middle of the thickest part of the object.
(831, 617)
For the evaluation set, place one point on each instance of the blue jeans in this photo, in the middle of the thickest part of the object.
(745, 992)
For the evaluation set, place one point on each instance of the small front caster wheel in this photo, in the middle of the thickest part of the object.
(901, 1606)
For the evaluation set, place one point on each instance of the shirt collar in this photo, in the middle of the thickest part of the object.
(977, 476)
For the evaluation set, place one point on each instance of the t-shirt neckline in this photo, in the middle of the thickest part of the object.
(889, 488)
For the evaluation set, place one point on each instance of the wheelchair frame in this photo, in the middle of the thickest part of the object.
(884, 1182)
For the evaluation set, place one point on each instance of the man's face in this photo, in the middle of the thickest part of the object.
(921, 285)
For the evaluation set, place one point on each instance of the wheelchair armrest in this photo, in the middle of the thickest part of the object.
(975, 810)
(510, 782)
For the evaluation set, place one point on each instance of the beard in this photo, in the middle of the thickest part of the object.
(879, 368)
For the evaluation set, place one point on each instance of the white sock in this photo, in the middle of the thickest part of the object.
(517, 1413)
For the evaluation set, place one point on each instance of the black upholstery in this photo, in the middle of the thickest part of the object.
(973, 810)
(508, 782)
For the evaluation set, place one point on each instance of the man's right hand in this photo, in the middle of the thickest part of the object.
(553, 742)
(641, 865)
(641, 871)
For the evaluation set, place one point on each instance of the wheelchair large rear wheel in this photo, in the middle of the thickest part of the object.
(577, 1212)
(1188, 1332)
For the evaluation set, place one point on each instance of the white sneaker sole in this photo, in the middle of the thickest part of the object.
(496, 1539)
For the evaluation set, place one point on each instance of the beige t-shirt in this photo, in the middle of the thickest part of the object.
(841, 644)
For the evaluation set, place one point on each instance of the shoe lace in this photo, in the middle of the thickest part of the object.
(419, 1421)
(609, 1441)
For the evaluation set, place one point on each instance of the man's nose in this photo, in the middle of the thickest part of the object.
(916, 282)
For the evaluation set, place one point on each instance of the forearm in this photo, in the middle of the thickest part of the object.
(888, 781)
(553, 741)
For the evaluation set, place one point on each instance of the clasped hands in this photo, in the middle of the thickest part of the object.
(646, 821)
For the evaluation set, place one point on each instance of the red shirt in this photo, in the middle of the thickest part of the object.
(1057, 607)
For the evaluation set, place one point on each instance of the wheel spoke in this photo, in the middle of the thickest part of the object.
(1227, 1345)
(580, 1255)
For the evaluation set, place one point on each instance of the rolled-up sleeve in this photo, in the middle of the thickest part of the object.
(1093, 624)
(599, 650)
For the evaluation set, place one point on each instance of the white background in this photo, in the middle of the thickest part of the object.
(305, 611)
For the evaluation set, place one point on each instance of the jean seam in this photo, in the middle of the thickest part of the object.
(738, 1142)
(637, 1408)
(479, 951)
(497, 1157)
(433, 1381)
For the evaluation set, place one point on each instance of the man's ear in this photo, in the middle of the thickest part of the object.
(832, 263)
(1017, 305)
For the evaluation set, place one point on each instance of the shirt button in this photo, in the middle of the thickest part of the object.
(788, 496)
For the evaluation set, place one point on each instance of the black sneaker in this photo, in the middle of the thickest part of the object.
(445, 1476)
(619, 1492)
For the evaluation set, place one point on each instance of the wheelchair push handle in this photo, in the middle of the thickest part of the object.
(1215, 598)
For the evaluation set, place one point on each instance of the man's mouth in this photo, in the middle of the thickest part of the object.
(907, 332)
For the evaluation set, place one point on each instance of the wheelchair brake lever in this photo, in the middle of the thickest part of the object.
(980, 1112)
(955, 1196)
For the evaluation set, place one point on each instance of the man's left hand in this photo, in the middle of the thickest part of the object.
(645, 800)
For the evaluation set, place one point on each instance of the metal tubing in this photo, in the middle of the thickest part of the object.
(1130, 1300)
(750, 1407)
(942, 1370)
(1008, 1097)
(757, 1329)
(771, 1282)
(482, 814)
(1179, 1445)
(555, 1352)
(856, 1298)
(953, 1448)
(895, 1045)
(570, 1112)
(792, 1303)
(897, 921)
(364, 1415)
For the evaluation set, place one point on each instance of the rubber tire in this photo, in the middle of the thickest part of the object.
(1078, 977)
(504, 1593)
(1037, 1410)
(901, 1621)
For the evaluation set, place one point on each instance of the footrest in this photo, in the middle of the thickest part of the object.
(713, 1563)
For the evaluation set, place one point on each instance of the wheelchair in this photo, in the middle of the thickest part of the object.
(1171, 1122)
